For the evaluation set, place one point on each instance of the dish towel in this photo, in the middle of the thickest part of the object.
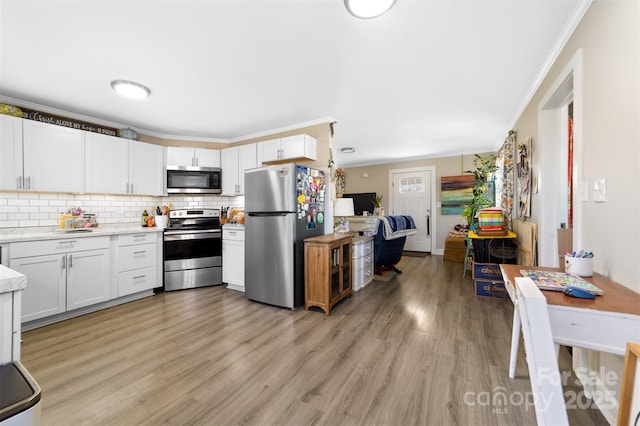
(397, 227)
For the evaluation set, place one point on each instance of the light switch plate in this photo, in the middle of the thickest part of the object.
(600, 190)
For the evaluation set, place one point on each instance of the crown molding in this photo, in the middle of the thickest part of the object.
(564, 37)
(65, 113)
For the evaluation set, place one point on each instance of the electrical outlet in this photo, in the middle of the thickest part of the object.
(600, 190)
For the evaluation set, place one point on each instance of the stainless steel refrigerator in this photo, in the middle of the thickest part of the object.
(284, 204)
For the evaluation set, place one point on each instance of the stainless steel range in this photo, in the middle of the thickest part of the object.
(192, 249)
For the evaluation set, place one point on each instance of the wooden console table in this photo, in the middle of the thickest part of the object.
(604, 324)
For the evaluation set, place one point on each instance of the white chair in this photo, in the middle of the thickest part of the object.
(544, 374)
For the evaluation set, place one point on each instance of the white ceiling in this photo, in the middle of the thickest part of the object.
(428, 79)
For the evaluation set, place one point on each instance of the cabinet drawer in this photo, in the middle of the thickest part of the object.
(233, 234)
(67, 245)
(130, 282)
(141, 238)
(137, 256)
(362, 249)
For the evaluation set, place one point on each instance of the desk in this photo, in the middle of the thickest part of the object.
(481, 247)
(604, 324)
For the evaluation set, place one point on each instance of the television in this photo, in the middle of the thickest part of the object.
(362, 201)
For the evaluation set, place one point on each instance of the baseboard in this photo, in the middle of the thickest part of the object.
(41, 322)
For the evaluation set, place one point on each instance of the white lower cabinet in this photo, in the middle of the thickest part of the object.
(233, 257)
(10, 308)
(137, 263)
(362, 262)
(62, 275)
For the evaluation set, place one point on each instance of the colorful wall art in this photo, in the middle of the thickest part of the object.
(455, 193)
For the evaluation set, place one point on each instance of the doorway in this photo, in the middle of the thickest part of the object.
(412, 193)
(561, 194)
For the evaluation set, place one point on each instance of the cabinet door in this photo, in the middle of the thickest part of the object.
(45, 293)
(345, 266)
(145, 168)
(233, 264)
(107, 164)
(6, 327)
(270, 150)
(229, 159)
(177, 156)
(53, 157)
(247, 159)
(207, 157)
(87, 278)
(10, 153)
(299, 146)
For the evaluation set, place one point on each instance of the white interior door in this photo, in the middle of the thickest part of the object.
(411, 195)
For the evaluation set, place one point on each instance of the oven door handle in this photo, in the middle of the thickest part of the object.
(192, 235)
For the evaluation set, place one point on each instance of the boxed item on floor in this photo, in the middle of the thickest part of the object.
(486, 271)
(491, 288)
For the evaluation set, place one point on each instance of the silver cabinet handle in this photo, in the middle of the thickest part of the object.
(19, 182)
(70, 261)
(131, 189)
(139, 277)
(28, 183)
(139, 252)
(64, 262)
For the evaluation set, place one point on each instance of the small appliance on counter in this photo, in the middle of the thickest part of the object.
(284, 204)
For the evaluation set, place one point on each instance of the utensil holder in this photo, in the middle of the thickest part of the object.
(581, 266)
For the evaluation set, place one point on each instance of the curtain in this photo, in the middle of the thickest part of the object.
(505, 176)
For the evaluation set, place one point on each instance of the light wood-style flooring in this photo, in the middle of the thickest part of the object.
(421, 349)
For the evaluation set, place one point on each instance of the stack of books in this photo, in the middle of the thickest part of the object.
(558, 281)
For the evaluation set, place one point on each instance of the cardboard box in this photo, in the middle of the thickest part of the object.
(565, 241)
(486, 271)
(490, 288)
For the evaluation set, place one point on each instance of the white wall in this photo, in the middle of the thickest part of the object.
(609, 37)
(610, 41)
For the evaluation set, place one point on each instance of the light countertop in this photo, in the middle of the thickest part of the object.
(233, 226)
(12, 235)
(11, 280)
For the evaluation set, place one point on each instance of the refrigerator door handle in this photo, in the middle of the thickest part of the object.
(263, 214)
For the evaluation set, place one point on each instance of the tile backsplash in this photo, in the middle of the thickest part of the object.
(24, 209)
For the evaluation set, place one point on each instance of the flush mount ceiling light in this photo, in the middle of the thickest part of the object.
(130, 89)
(348, 150)
(367, 9)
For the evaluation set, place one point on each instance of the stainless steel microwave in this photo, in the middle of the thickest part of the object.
(194, 180)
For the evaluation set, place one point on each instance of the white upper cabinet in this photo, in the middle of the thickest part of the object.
(122, 166)
(53, 157)
(200, 157)
(11, 177)
(146, 169)
(235, 161)
(288, 148)
(107, 164)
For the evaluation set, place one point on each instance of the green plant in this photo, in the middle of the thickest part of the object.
(484, 166)
(377, 201)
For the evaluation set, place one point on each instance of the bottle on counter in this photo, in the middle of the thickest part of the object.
(145, 218)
